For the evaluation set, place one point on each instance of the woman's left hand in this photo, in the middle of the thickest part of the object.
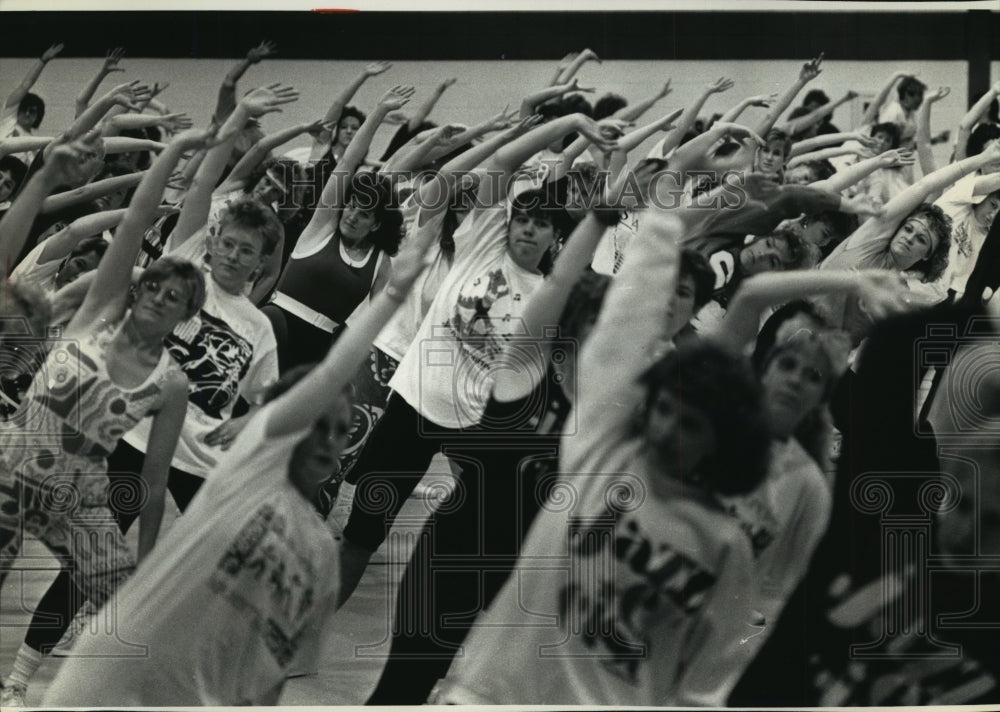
(224, 435)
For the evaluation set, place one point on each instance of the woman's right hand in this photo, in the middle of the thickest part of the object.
(896, 158)
(376, 68)
(396, 98)
(882, 293)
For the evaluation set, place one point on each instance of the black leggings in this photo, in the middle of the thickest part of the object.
(63, 599)
(476, 533)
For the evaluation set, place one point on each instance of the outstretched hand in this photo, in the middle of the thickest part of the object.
(720, 85)
(133, 96)
(882, 293)
(198, 139)
(895, 158)
(320, 127)
(763, 100)
(262, 51)
(503, 120)
(810, 70)
(592, 131)
(937, 95)
(376, 68)
(269, 99)
(396, 98)
(52, 52)
(111, 61)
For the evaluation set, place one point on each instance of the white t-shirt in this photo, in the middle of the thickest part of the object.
(785, 518)
(397, 335)
(967, 235)
(195, 248)
(446, 373)
(227, 350)
(41, 275)
(647, 607)
(226, 602)
(610, 252)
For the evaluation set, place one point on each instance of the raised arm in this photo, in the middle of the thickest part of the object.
(761, 100)
(841, 180)
(227, 92)
(972, 118)
(828, 153)
(633, 112)
(66, 163)
(331, 201)
(810, 70)
(904, 203)
(923, 138)
(262, 149)
(425, 108)
(882, 292)
(632, 321)
(63, 242)
(499, 122)
(124, 122)
(794, 126)
(91, 191)
(510, 157)
(634, 138)
(198, 202)
(547, 303)
(871, 113)
(690, 115)
(815, 143)
(109, 292)
(123, 95)
(571, 64)
(109, 66)
(23, 144)
(15, 97)
(535, 99)
(168, 420)
(322, 140)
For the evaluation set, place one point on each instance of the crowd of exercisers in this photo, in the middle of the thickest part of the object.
(680, 393)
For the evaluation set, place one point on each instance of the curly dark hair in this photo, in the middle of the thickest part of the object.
(704, 375)
(909, 84)
(348, 112)
(980, 136)
(932, 267)
(374, 192)
(887, 128)
(608, 104)
(584, 304)
(33, 101)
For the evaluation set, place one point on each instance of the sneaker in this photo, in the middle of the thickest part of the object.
(13, 696)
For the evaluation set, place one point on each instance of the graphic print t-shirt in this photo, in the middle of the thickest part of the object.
(225, 603)
(445, 375)
(227, 350)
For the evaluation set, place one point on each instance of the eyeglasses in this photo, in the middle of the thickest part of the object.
(172, 296)
(244, 253)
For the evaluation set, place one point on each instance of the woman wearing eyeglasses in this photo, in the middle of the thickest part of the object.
(109, 371)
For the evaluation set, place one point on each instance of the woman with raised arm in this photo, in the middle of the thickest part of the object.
(497, 265)
(342, 256)
(649, 449)
(483, 521)
(969, 122)
(663, 148)
(441, 206)
(810, 70)
(330, 146)
(23, 111)
(221, 632)
(112, 370)
(799, 361)
(908, 236)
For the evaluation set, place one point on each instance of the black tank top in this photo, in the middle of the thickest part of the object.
(324, 282)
